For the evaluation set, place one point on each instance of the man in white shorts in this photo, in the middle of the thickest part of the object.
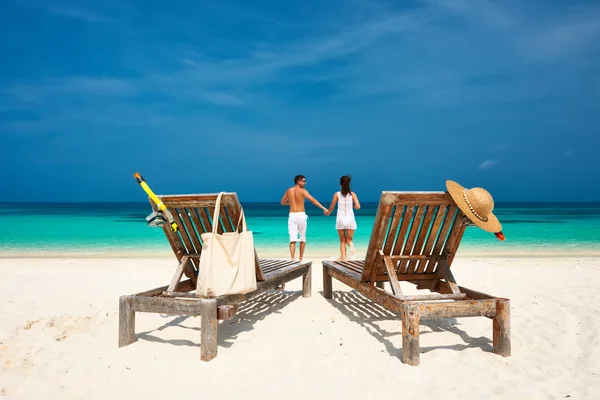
(295, 197)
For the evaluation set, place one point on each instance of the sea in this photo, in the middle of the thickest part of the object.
(110, 228)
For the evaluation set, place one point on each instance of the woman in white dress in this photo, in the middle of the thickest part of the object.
(345, 222)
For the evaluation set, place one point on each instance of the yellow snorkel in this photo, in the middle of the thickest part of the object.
(153, 219)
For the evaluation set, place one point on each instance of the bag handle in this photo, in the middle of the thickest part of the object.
(216, 216)
(243, 220)
(215, 220)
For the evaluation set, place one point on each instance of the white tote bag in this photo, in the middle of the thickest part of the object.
(227, 264)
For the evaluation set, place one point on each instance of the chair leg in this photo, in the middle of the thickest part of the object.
(327, 284)
(411, 348)
(307, 282)
(126, 321)
(501, 335)
(208, 329)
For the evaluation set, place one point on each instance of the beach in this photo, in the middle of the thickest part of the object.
(58, 336)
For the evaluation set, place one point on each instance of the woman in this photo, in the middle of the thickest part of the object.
(345, 222)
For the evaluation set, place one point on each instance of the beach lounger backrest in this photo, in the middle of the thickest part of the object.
(193, 213)
(415, 232)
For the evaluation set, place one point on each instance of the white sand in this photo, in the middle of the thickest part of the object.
(58, 338)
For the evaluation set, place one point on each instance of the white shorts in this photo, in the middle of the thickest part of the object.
(297, 226)
(345, 222)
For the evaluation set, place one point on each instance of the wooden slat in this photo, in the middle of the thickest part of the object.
(201, 212)
(408, 278)
(211, 213)
(189, 227)
(178, 273)
(189, 247)
(166, 305)
(446, 274)
(389, 242)
(412, 198)
(403, 229)
(455, 237)
(391, 270)
(357, 263)
(428, 310)
(436, 296)
(172, 237)
(458, 309)
(411, 265)
(408, 246)
(377, 237)
(441, 239)
(226, 222)
(441, 213)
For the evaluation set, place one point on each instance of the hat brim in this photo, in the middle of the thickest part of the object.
(456, 191)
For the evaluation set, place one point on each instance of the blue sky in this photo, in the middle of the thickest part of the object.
(241, 96)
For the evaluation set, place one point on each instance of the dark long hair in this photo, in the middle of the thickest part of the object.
(345, 182)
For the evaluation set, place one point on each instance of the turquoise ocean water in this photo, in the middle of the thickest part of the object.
(104, 228)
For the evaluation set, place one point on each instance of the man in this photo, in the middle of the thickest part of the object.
(295, 197)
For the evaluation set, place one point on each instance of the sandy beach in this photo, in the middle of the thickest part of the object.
(58, 337)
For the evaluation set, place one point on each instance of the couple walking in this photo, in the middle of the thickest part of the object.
(345, 222)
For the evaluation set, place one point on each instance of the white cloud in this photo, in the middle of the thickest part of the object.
(488, 164)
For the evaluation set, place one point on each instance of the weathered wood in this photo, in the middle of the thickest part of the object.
(226, 312)
(457, 309)
(411, 348)
(391, 270)
(327, 283)
(307, 283)
(377, 237)
(126, 321)
(427, 249)
(501, 326)
(185, 286)
(178, 273)
(425, 297)
(226, 223)
(185, 216)
(411, 257)
(208, 329)
(270, 283)
(443, 272)
(411, 265)
(403, 230)
(391, 236)
(413, 277)
(189, 295)
(189, 246)
(217, 222)
(442, 236)
(460, 225)
(444, 288)
(411, 198)
(408, 246)
(166, 305)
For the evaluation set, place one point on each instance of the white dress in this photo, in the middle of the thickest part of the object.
(345, 212)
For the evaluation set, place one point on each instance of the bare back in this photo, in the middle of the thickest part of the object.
(296, 197)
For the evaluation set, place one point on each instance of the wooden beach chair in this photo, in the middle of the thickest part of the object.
(193, 214)
(414, 239)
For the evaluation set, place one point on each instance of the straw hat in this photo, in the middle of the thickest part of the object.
(477, 204)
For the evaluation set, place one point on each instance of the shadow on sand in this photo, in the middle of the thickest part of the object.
(249, 312)
(366, 313)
